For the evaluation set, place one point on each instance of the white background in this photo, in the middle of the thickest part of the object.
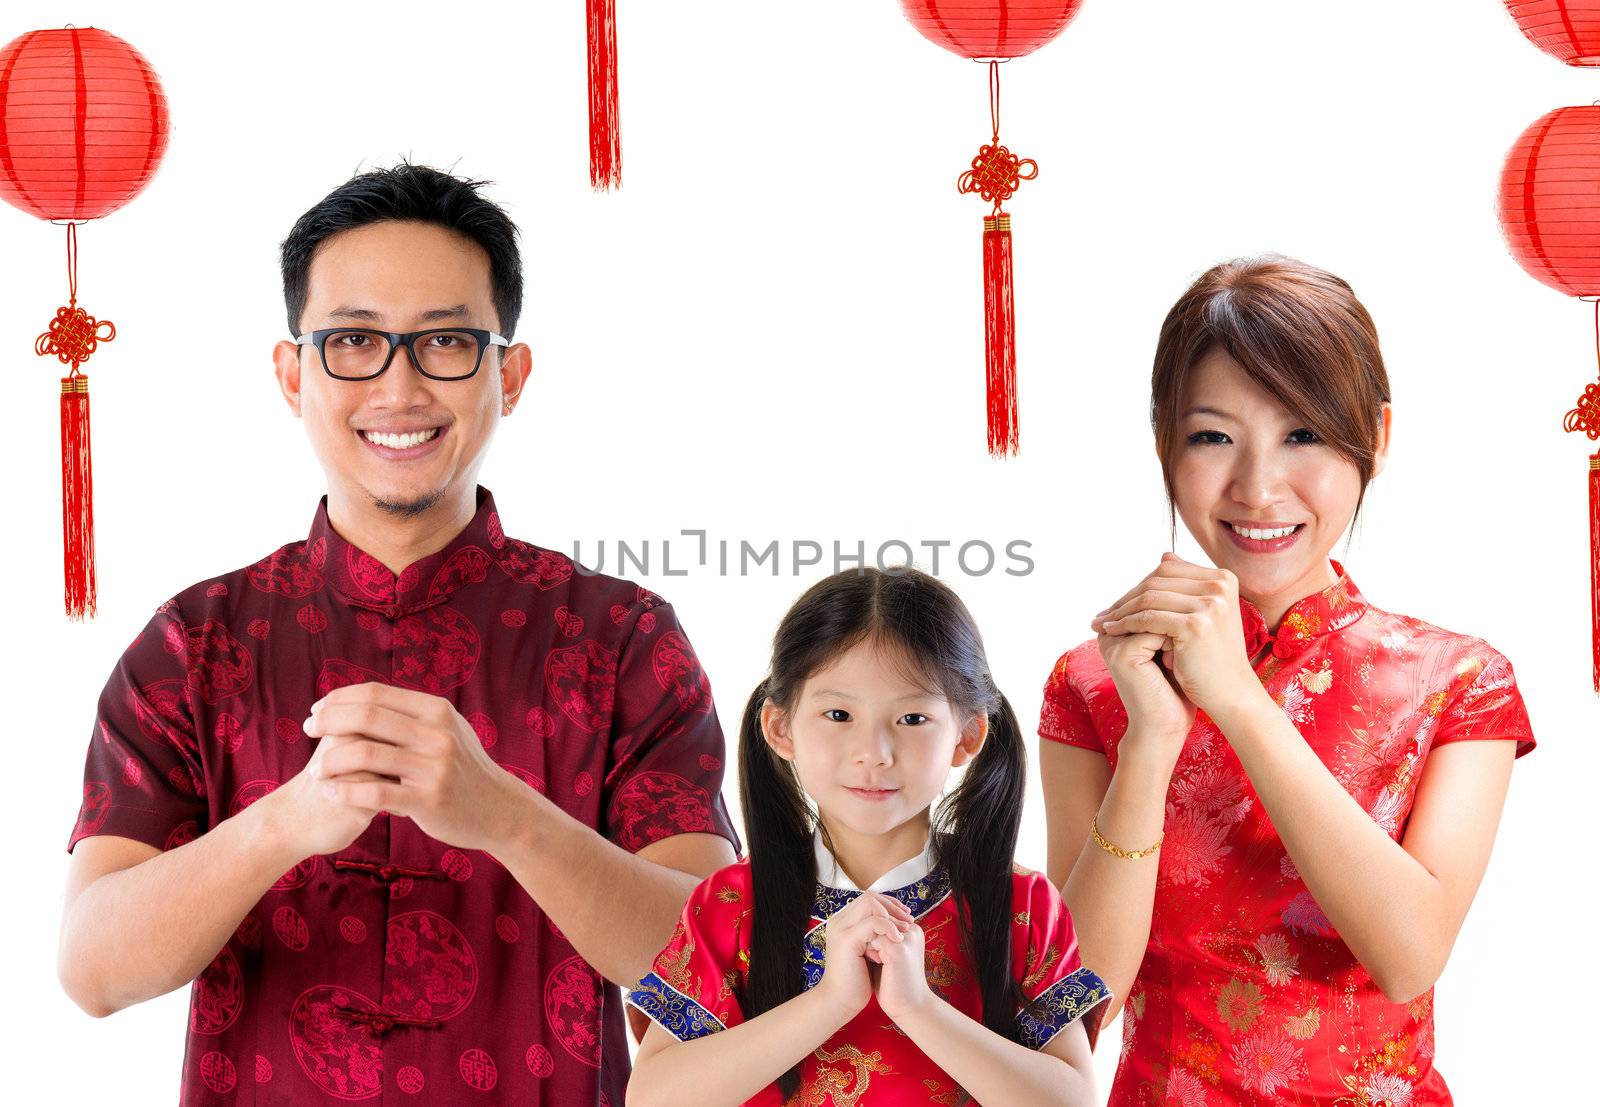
(774, 331)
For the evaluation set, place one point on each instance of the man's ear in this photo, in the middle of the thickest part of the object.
(286, 365)
(775, 729)
(516, 366)
(1385, 422)
(973, 735)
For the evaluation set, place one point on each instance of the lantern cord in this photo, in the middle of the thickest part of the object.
(1597, 330)
(994, 98)
(72, 265)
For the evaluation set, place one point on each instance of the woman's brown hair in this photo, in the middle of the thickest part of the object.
(1299, 332)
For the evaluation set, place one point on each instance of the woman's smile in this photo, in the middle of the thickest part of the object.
(1264, 537)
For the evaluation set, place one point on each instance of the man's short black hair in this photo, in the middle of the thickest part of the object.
(415, 192)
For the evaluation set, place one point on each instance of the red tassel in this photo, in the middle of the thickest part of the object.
(1000, 339)
(605, 143)
(77, 498)
(1594, 562)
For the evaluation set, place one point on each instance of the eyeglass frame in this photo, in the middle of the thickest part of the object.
(397, 339)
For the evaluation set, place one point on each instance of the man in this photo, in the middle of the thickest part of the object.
(402, 793)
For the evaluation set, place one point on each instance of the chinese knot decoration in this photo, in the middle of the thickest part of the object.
(993, 31)
(1585, 418)
(83, 125)
(996, 172)
(73, 335)
(1550, 213)
(605, 142)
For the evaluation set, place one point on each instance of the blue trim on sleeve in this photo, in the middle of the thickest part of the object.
(1062, 1004)
(675, 1012)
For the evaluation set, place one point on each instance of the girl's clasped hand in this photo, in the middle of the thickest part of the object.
(873, 946)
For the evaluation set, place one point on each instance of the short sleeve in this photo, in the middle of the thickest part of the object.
(667, 749)
(1484, 703)
(143, 777)
(1065, 716)
(1046, 966)
(691, 989)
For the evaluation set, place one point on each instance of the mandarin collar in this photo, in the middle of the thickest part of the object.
(364, 581)
(831, 874)
(1332, 609)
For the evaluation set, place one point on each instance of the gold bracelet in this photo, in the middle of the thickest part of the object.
(1118, 851)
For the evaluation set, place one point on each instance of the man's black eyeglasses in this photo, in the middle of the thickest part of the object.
(361, 354)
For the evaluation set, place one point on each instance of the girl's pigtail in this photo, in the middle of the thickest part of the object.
(777, 828)
(978, 826)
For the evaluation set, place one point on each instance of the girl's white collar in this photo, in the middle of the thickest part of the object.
(831, 874)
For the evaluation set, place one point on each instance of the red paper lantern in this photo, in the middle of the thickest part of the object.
(1568, 30)
(984, 29)
(83, 125)
(1550, 213)
(605, 142)
(993, 31)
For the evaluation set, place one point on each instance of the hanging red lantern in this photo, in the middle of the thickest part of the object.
(83, 125)
(605, 142)
(1568, 30)
(994, 31)
(1550, 213)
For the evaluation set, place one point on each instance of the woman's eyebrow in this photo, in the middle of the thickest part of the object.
(1204, 410)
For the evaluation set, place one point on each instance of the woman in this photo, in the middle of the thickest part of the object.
(1263, 808)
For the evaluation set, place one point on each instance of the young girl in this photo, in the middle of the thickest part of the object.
(876, 947)
(1271, 801)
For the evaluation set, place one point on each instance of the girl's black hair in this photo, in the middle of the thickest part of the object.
(974, 827)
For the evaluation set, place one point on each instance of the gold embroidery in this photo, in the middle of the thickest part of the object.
(675, 969)
(1303, 625)
(1339, 594)
(1034, 971)
(1319, 681)
(672, 966)
(1303, 1027)
(1277, 963)
(1239, 1003)
(955, 1097)
(939, 967)
(729, 894)
(1020, 918)
(844, 1088)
